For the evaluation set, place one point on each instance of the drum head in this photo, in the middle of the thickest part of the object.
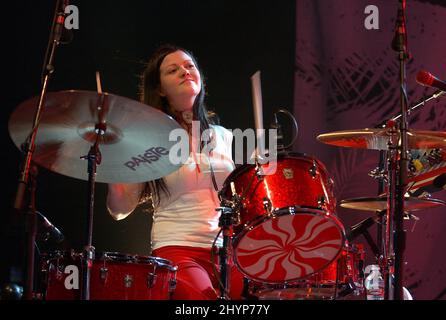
(289, 246)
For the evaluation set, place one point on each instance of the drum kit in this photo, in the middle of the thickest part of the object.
(282, 233)
(286, 238)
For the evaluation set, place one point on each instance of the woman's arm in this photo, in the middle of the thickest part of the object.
(123, 198)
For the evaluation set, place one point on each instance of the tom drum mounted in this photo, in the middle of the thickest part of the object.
(288, 229)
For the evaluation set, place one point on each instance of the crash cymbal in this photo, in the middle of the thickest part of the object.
(377, 139)
(380, 203)
(134, 147)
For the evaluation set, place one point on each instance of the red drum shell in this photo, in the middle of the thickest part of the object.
(299, 180)
(334, 280)
(290, 244)
(114, 276)
(287, 221)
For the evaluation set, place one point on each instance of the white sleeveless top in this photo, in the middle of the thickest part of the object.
(188, 216)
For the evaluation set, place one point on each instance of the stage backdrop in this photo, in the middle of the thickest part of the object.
(347, 77)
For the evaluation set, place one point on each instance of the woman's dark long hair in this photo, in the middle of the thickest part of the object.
(149, 94)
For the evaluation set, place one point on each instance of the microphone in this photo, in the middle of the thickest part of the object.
(51, 230)
(427, 79)
(276, 125)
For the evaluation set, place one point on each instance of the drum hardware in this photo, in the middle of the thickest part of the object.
(267, 205)
(225, 223)
(313, 170)
(173, 281)
(259, 171)
(229, 217)
(128, 281)
(103, 273)
(378, 174)
(151, 278)
(321, 202)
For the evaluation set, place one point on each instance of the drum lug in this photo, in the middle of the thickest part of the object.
(313, 170)
(172, 285)
(103, 273)
(173, 282)
(321, 203)
(128, 281)
(267, 205)
(259, 172)
(151, 279)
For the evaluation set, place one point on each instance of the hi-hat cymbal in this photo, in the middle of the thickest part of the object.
(134, 148)
(380, 203)
(377, 139)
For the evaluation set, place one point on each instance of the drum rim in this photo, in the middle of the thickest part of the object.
(289, 155)
(263, 218)
(111, 256)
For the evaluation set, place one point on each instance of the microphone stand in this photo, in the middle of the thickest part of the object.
(361, 228)
(29, 146)
(400, 45)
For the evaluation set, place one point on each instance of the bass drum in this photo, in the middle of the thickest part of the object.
(342, 279)
(288, 229)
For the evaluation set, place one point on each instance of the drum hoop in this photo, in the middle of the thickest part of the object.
(290, 155)
(282, 212)
(111, 256)
(160, 262)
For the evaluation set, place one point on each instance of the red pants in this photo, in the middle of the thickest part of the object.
(196, 279)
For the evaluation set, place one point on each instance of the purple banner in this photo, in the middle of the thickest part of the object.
(347, 77)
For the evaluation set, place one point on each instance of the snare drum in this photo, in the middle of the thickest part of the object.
(287, 229)
(114, 276)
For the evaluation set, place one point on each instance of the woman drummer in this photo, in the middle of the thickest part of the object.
(185, 222)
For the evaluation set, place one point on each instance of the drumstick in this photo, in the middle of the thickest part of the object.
(98, 82)
(258, 112)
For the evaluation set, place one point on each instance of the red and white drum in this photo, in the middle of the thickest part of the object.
(288, 229)
(114, 276)
(343, 278)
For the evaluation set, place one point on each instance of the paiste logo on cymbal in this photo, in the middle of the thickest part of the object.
(150, 155)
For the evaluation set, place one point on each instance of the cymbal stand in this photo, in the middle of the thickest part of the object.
(225, 224)
(230, 216)
(29, 146)
(94, 159)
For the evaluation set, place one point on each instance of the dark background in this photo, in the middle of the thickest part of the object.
(320, 82)
(231, 40)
